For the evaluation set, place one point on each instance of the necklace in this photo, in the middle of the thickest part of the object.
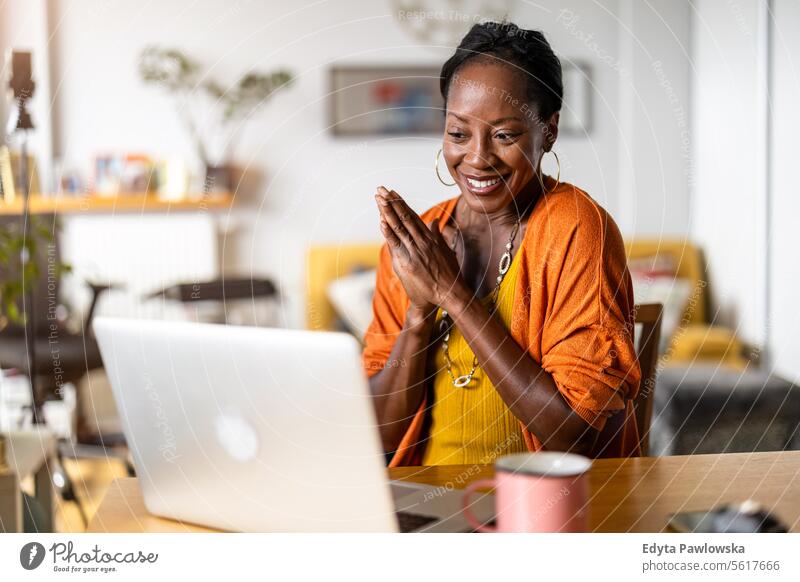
(446, 324)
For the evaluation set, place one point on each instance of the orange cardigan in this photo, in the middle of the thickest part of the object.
(573, 313)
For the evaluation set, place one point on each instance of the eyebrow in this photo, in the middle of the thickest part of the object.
(493, 122)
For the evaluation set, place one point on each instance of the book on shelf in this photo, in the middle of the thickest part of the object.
(6, 176)
(11, 175)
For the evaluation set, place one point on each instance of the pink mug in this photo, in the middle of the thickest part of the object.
(536, 492)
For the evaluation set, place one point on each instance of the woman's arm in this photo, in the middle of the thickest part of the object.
(529, 391)
(399, 387)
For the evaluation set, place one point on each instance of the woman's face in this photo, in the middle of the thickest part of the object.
(493, 140)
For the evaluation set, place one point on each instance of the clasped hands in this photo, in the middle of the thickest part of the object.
(422, 256)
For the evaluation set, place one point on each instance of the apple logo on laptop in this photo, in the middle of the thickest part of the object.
(237, 437)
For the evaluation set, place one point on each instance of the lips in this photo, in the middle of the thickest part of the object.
(483, 184)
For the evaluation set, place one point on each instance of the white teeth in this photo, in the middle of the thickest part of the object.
(482, 183)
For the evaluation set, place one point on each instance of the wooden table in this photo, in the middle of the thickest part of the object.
(627, 495)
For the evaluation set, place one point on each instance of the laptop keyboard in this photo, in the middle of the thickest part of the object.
(409, 522)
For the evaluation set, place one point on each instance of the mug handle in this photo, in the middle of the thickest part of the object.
(465, 501)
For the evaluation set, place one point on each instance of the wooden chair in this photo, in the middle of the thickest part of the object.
(649, 316)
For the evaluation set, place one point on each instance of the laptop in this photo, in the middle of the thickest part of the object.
(261, 430)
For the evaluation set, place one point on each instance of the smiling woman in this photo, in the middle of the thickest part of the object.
(511, 305)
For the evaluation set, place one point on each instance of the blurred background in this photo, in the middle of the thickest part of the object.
(216, 161)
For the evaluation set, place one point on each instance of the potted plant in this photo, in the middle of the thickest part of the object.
(20, 258)
(16, 271)
(178, 74)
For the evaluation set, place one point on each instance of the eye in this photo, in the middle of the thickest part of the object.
(456, 134)
(506, 136)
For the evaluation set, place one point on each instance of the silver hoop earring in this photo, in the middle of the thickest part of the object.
(436, 169)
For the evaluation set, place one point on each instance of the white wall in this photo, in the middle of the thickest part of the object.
(655, 165)
(314, 188)
(745, 208)
(784, 316)
(729, 122)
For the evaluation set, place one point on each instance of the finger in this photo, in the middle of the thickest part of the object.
(435, 229)
(395, 224)
(393, 228)
(404, 212)
(446, 236)
(451, 235)
(445, 233)
(391, 238)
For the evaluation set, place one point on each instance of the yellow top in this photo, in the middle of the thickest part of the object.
(472, 424)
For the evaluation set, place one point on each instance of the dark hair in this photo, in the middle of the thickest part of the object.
(525, 51)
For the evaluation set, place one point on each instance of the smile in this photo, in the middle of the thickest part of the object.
(483, 185)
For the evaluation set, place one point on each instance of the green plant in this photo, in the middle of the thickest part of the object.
(15, 271)
(180, 75)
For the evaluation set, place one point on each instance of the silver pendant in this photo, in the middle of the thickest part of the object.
(462, 381)
(505, 263)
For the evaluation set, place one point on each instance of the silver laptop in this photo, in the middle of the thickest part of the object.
(254, 429)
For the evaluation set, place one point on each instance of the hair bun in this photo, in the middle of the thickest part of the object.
(524, 50)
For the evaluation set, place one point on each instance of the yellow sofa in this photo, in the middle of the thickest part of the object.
(326, 263)
(696, 339)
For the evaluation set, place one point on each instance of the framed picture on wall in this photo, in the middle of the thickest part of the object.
(576, 110)
(390, 100)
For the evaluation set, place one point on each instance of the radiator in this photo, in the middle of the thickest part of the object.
(141, 252)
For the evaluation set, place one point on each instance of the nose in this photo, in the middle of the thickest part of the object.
(479, 154)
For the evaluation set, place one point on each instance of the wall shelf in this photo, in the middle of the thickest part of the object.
(127, 203)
